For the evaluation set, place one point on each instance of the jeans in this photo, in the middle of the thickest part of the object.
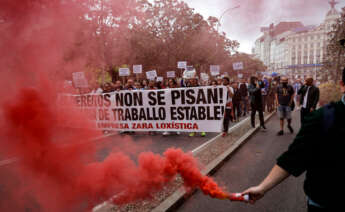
(227, 118)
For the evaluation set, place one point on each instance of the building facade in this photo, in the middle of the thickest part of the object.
(295, 50)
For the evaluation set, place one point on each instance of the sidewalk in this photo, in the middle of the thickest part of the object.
(248, 167)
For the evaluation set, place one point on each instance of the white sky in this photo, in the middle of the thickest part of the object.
(243, 24)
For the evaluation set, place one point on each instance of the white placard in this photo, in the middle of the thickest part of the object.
(137, 69)
(182, 64)
(238, 66)
(151, 74)
(240, 75)
(160, 79)
(124, 72)
(171, 74)
(205, 77)
(79, 80)
(114, 112)
(215, 70)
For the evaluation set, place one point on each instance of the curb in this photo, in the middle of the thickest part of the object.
(177, 197)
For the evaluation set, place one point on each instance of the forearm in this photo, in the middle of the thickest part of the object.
(275, 177)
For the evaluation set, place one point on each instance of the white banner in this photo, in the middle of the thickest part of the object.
(151, 74)
(171, 74)
(160, 79)
(215, 70)
(137, 69)
(182, 64)
(198, 109)
(124, 72)
(79, 80)
(237, 66)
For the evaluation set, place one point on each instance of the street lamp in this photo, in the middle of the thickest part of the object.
(220, 19)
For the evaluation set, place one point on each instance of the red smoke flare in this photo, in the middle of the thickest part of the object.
(56, 169)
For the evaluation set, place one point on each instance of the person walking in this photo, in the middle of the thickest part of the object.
(318, 150)
(229, 113)
(236, 102)
(244, 97)
(309, 98)
(285, 97)
(256, 101)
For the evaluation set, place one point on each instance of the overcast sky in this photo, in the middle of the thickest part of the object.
(243, 24)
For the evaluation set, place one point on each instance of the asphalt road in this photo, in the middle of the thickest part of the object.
(248, 167)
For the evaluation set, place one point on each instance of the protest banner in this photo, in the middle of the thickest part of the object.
(151, 75)
(215, 70)
(79, 80)
(137, 69)
(182, 64)
(171, 74)
(160, 79)
(124, 72)
(197, 109)
(237, 66)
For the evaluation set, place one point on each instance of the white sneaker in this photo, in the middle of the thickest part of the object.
(166, 133)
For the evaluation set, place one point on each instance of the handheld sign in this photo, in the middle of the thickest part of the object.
(160, 79)
(171, 74)
(205, 77)
(124, 72)
(79, 80)
(238, 66)
(151, 74)
(215, 70)
(240, 75)
(137, 69)
(182, 64)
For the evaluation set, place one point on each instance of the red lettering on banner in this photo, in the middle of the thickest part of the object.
(142, 126)
(195, 127)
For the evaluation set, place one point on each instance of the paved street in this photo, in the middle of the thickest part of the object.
(247, 167)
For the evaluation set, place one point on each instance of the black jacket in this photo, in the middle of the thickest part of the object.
(313, 96)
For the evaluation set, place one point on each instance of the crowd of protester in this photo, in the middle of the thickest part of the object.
(245, 96)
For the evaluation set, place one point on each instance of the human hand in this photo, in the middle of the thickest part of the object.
(255, 193)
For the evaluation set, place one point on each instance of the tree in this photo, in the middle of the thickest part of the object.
(335, 59)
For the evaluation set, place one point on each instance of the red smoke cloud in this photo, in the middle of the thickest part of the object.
(56, 169)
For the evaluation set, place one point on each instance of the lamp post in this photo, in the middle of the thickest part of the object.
(220, 19)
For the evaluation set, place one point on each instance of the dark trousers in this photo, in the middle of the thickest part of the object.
(237, 110)
(264, 102)
(304, 113)
(261, 115)
(244, 104)
(227, 118)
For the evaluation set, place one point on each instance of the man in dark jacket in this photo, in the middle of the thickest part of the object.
(244, 97)
(256, 101)
(309, 98)
(318, 150)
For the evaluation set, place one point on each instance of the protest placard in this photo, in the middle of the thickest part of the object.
(197, 109)
(205, 77)
(182, 64)
(160, 79)
(79, 80)
(171, 74)
(124, 72)
(240, 76)
(237, 66)
(137, 69)
(151, 75)
(215, 70)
